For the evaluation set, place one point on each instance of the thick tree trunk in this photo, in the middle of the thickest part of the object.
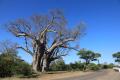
(35, 64)
(39, 59)
(38, 64)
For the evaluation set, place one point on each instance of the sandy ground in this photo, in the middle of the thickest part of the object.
(64, 75)
(77, 75)
(99, 75)
(52, 76)
(111, 75)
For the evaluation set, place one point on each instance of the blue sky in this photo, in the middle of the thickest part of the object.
(102, 18)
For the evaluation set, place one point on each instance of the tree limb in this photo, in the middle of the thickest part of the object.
(59, 43)
(26, 49)
(68, 47)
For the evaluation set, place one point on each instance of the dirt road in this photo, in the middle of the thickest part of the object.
(77, 75)
(100, 75)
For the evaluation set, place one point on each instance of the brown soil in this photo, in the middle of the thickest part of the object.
(52, 76)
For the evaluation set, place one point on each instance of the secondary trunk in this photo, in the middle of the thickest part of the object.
(48, 64)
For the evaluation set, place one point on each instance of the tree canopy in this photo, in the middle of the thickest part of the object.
(88, 56)
(116, 56)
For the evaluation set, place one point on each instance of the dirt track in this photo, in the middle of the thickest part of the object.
(78, 75)
(100, 75)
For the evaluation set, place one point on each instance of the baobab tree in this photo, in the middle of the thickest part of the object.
(45, 36)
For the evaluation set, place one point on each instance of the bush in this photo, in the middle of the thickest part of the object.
(58, 65)
(93, 67)
(7, 67)
(68, 67)
(12, 65)
(61, 66)
(24, 69)
(77, 66)
(107, 66)
(111, 65)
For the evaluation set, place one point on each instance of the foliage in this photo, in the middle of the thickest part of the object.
(93, 66)
(7, 67)
(107, 66)
(10, 65)
(88, 56)
(116, 56)
(58, 65)
(23, 68)
(111, 65)
(77, 66)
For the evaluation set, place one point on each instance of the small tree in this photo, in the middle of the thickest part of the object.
(116, 56)
(88, 56)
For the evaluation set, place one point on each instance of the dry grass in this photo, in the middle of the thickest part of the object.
(51, 76)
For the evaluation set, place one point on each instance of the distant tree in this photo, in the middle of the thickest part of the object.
(96, 57)
(116, 56)
(88, 56)
(45, 36)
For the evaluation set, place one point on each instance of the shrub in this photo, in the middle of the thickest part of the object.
(77, 66)
(7, 67)
(107, 66)
(111, 65)
(12, 65)
(93, 67)
(58, 65)
(24, 69)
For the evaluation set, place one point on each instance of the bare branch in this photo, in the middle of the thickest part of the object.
(8, 47)
(68, 47)
(26, 49)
